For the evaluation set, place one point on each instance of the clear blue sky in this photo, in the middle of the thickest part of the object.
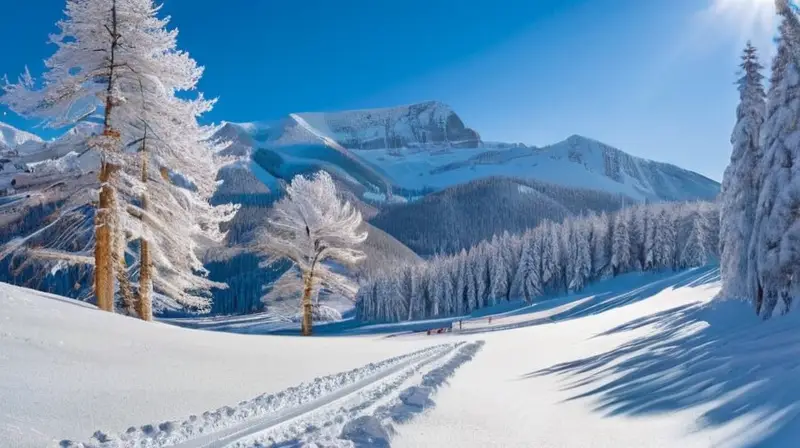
(654, 78)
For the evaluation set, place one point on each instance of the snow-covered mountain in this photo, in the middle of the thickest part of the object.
(426, 147)
(414, 125)
(11, 137)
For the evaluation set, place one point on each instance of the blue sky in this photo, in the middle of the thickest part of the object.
(654, 78)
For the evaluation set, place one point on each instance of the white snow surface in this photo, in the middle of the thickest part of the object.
(67, 369)
(640, 360)
(11, 137)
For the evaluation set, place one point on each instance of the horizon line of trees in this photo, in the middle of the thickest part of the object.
(552, 258)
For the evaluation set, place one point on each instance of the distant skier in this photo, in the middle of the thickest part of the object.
(490, 320)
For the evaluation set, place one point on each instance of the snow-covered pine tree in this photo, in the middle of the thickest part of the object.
(512, 252)
(396, 302)
(649, 257)
(697, 251)
(581, 274)
(780, 141)
(449, 270)
(665, 246)
(561, 241)
(460, 293)
(498, 271)
(739, 195)
(570, 253)
(407, 287)
(636, 233)
(601, 248)
(483, 279)
(434, 278)
(471, 268)
(621, 244)
(309, 227)
(549, 256)
(531, 265)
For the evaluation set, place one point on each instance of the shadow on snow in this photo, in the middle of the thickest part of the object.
(604, 296)
(594, 299)
(718, 356)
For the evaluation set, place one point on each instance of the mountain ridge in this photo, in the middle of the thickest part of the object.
(410, 154)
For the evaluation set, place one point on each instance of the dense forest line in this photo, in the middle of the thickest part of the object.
(551, 258)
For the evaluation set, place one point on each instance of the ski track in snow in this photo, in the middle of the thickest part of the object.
(252, 421)
(365, 419)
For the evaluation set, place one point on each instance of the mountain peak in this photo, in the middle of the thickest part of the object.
(11, 137)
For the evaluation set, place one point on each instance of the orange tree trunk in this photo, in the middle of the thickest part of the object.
(144, 304)
(307, 307)
(104, 272)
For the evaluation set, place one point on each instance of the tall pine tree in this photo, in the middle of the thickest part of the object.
(739, 195)
(779, 196)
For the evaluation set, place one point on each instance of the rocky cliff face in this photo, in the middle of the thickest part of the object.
(425, 124)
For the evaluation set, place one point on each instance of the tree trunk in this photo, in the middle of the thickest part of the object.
(104, 274)
(144, 306)
(759, 299)
(105, 221)
(307, 306)
(121, 271)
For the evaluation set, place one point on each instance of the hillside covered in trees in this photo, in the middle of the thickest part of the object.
(550, 259)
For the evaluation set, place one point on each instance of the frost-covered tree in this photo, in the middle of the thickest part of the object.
(636, 234)
(498, 272)
(434, 280)
(697, 251)
(314, 229)
(549, 255)
(472, 280)
(772, 246)
(529, 273)
(621, 244)
(117, 63)
(601, 247)
(581, 253)
(665, 245)
(649, 247)
(483, 278)
(739, 195)
(460, 296)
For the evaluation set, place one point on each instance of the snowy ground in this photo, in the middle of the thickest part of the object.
(67, 369)
(632, 362)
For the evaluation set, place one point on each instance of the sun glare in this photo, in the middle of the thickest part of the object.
(750, 19)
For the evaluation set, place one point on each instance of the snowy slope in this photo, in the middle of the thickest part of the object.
(643, 360)
(69, 369)
(668, 369)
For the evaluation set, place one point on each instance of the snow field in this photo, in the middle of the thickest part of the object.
(227, 424)
(641, 361)
(67, 369)
(340, 421)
